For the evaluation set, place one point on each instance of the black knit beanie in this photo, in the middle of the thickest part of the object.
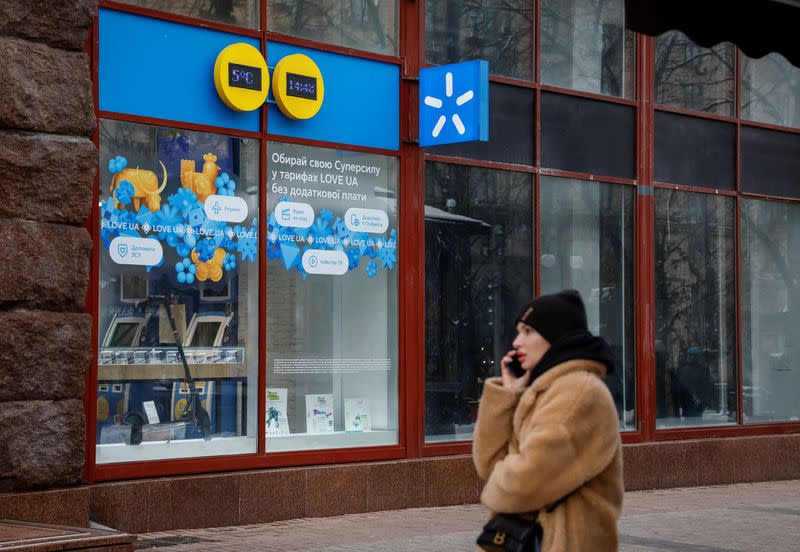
(553, 316)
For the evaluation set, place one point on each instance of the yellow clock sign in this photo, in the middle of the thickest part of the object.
(241, 77)
(298, 87)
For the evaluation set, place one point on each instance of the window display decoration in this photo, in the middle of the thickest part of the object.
(206, 248)
(329, 232)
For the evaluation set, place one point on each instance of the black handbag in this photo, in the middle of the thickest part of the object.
(515, 533)
(511, 533)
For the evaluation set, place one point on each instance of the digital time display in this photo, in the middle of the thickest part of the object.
(301, 86)
(244, 76)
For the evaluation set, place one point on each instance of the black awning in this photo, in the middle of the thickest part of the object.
(758, 27)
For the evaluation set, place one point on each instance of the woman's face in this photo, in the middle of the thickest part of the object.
(529, 345)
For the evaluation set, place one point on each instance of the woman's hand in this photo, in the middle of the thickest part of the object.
(510, 381)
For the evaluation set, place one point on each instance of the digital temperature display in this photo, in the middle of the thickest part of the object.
(301, 86)
(244, 76)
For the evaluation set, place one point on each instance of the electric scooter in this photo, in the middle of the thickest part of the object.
(192, 412)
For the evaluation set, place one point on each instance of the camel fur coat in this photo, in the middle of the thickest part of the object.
(557, 438)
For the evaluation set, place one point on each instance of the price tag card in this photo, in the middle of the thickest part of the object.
(150, 410)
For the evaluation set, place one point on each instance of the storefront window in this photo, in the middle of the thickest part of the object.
(770, 90)
(332, 292)
(695, 268)
(178, 230)
(369, 25)
(233, 12)
(586, 47)
(587, 244)
(499, 32)
(692, 77)
(478, 274)
(770, 310)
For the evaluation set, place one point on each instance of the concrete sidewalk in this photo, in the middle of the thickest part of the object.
(749, 517)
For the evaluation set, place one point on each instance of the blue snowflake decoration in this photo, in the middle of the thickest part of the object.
(248, 244)
(185, 270)
(117, 164)
(167, 218)
(205, 249)
(388, 257)
(184, 200)
(124, 192)
(321, 233)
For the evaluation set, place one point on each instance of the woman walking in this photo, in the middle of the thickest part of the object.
(547, 438)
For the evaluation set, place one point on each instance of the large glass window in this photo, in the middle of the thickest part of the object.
(770, 90)
(770, 310)
(478, 273)
(365, 24)
(332, 313)
(587, 244)
(692, 77)
(695, 309)
(500, 32)
(178, 229)
(586, 47)
(244, 13)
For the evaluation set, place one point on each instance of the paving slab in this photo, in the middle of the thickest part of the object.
(749, 517)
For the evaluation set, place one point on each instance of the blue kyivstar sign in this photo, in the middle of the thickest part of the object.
(454, 103)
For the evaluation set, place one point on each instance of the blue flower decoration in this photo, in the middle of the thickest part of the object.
(229, 263)
(225, 186)
(117, 164)
(372, 269)
(124, 192)
(185, 271)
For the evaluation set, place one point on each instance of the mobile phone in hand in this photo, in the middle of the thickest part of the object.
(516, 367)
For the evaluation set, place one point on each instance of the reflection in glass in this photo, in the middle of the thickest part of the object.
(692, 77)
(233, 12)
(158, 196)
(369, 25)
(586, 47)
(332, 299)
(770, 310)
(478, 273)
(695, 309)
(498, 31)
(587, 244)
(770, 90)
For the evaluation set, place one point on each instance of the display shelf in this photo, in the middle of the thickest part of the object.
(184, 448)
(160, 363)
(337, 439)
(138, 372)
